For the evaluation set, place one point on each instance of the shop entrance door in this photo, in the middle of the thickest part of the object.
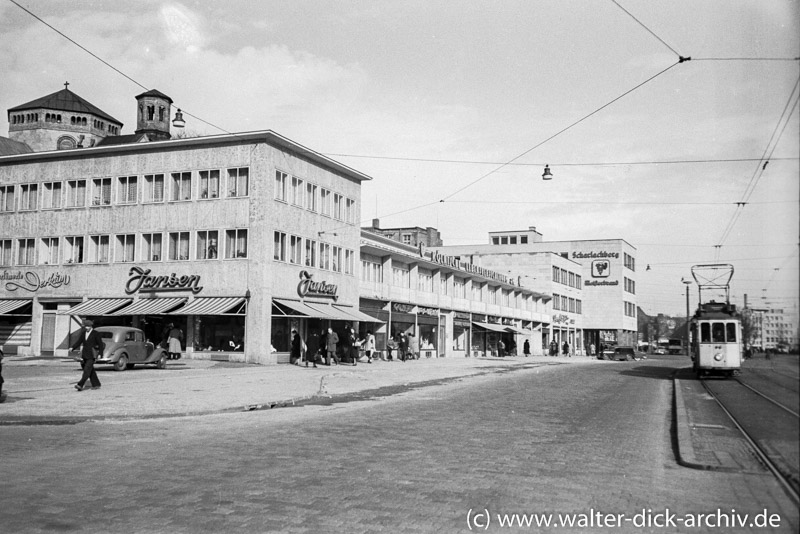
(48, 333)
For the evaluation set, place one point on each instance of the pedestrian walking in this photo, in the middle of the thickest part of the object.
(297, 348)
(591, 349)
(565, 349)
(413, 346)
(2, 395)
(352, 345)
(91, 346)
(174, 338)
(526, 348)
(403, 347)
(331, 343)
(369, 346)
(501, 348)
(553, 348)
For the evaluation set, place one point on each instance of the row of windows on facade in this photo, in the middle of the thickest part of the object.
(80, 249)
(629, 261)
(22, 118)
(509, 240)
(630, 309)
(562, 276)
(372, 273)
(79, 193)
(567, 304)
(311, 253)
(308, 195)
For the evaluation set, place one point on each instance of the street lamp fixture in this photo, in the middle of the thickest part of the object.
(178, 121)
(547, 175)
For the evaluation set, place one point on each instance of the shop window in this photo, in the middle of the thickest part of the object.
(26, 251)
(236, 243)
(209, 184)
(152, 247)
(178, 246)
(101, 192)
(49, 252)
(74, 249)
(279, 246)
(280, 185)
(281, 334)
(76, 193)
(181, 186)
(219, 333)
(28, 197)
(98, 249)
(51, 195)
(6, 198)
(297, 191)
(127, 191)
(153, 188)
(239, 182)
(295, 249)
(126, 248)
(311, 197)
(207, 245)
(311, 253)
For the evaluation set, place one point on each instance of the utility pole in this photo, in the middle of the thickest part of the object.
(688, 283)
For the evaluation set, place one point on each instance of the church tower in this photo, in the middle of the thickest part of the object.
(153, 115)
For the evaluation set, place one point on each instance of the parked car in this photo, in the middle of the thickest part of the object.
(660, 350)
(125, 347)
(621, 353)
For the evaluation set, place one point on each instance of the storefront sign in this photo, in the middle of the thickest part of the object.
(402, 308)
(562, 319)
(601, 283)
(601, 254)
(462, 315)
(422, 310)
(309, 288)
(454, 262)
(31, 281)
(140, 280)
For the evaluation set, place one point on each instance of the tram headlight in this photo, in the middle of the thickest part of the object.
(718, 357)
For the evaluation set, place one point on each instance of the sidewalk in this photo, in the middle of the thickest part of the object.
(198, 387)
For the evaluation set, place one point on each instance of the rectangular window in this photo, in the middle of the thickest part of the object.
(178, 246)
(400, 277)
(297, 191)
(6, 252)
(207, 244)
(209, 184)
(556, 302)
(349, 262)
(236, 243)
(578, 306)
(295, 249)
(98, 249)
(128, 190)
(336, 259)
(337, 206)
(76, 193)
(239, 182)
(26, 251)
(28, 197)
(101, 192)
(311, 253)
(571, 279)
(578, 281)
(181, 186)
(152, 247)
(350, 211)
(512, 240)
(279, 246)
(324, 256)
(153, 188)
(459, 288)
(74, 251)
(280, 185)
(51, 195)
(556, 274)
(311, 197)
(6, 198)
(126, 248)
(49, 252)
(325, 202)
(523, 240)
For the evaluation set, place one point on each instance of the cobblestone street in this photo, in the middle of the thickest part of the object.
(554, 439)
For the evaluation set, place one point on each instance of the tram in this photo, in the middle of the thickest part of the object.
(716, 329)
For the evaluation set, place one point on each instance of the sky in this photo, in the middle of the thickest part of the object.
(454, 109)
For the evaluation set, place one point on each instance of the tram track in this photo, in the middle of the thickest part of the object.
(755, 434)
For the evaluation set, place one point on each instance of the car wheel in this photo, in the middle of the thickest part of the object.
(129, 366)
(162, 362)
(122, 363)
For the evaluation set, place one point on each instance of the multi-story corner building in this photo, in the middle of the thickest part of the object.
(238, 239)
(779, 329)
(449, 306)
(595, 278)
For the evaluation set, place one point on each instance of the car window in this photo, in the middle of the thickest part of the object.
(106, 335)
(139, 337)
(129, 336)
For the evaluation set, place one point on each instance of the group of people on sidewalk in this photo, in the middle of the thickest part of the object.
(332, 347)
(553, 351)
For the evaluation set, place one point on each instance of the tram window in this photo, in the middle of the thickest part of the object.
(718, 332)
(731, 331)
(705, 333)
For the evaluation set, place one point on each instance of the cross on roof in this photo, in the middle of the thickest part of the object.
(66, 85)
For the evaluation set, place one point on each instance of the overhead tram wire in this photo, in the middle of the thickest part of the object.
(651, 32)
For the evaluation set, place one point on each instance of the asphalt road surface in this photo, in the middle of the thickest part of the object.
(579, 442)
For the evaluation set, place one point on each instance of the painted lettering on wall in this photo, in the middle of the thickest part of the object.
(601, 254)
(31, 281)
(308, 287)
(142, 281)
(601, 283)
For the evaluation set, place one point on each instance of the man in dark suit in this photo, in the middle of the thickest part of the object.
(92, 347)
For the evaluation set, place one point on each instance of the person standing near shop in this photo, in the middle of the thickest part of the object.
(2, 395)
(413, 346)
(351, 345)
(591, 349)
(402, 347)
(553, 348)
(565, 349)
(526, 348)
(92, 346)
(331, 342)
(294, 357)
(369, 346)
(174, 339)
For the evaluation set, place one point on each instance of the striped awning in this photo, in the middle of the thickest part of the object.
(301, 309)
(490, 326)
(212, 306)
(9, 305)
(97, 307)
(516, 330)
(154, 306)
(357, 315)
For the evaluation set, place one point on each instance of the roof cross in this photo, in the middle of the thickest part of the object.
(66, 85)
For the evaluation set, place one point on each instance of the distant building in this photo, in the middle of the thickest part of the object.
(410, 235)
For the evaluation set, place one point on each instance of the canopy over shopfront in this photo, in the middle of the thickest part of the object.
(491, 326)
(154, 306)
(8, 306)
(517, 330)
(97, 307)
(321, 310)
(213, 306)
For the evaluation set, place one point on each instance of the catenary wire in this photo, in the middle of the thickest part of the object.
(559, 164)
(651, 32)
